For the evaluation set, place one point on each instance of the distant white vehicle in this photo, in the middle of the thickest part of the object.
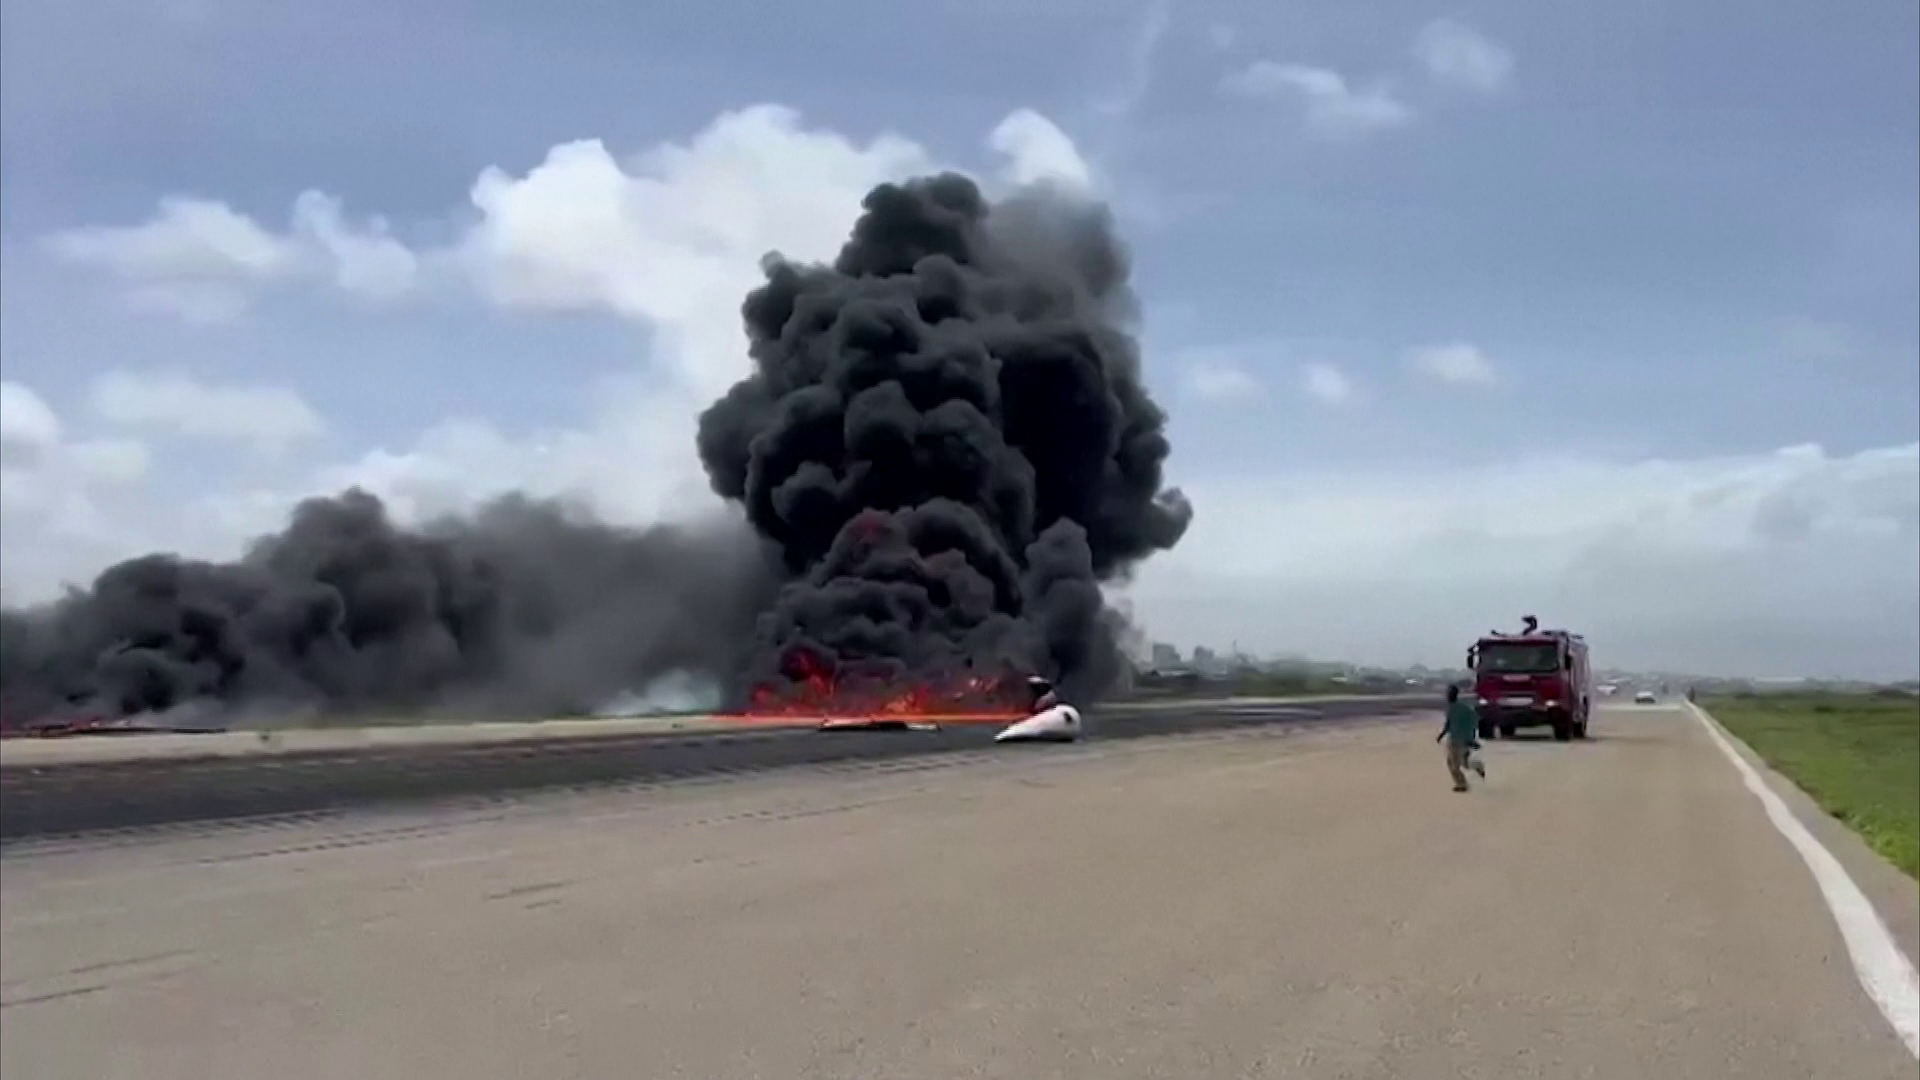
(1645, 697)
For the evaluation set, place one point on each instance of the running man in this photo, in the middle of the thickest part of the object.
(1461, 730)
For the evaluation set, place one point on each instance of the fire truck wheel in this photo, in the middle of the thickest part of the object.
(1579, 729)
(1562, 729)
(1486, 729)
(1507, 730)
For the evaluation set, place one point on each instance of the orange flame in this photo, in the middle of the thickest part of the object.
(817, 692)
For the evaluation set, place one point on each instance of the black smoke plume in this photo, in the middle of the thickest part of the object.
(946, 434)
(944, 448)
(523, 608)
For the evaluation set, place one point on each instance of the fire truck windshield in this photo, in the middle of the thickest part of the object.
(1518, 657)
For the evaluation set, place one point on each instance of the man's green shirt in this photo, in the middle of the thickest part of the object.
(1463, 722)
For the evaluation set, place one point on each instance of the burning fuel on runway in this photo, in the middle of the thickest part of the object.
(814, 690)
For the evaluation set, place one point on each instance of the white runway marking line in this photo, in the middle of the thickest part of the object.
(1885, 973)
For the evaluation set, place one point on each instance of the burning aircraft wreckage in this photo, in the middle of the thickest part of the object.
(941, 450)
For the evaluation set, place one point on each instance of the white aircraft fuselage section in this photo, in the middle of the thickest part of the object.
(1057, 723)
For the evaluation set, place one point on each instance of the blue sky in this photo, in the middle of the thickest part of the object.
(1460, 311)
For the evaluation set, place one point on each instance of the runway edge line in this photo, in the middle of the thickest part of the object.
(1885, 972)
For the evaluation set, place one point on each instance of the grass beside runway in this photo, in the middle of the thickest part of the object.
(1857, 756)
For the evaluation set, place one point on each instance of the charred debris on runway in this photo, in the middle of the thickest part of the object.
(942, 448)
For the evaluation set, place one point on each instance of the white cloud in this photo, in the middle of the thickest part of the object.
(269, 418)
(1380, 563)
(1037, 151)
(363, 260)
(1456, 54)
(669, 239)
(34, 443)
(52, 522)
(675, 242)
(187, 238)
(1221, 380)
(196, 258)
(28, 427)
(202, 303)
(109, 461)
(202, 261)
(1792, 556)
(1326, 383)
(1545, 512)
(1458, 363)
(631, 461)
(1333, 107)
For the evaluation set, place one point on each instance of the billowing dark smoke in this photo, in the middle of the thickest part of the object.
(520, 609)
(944, 447)
(946, 435)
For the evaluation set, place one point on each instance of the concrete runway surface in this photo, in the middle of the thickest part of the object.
(1279, 902)
(91, 784)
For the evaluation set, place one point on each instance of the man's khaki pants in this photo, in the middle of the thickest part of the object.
(1457, 762)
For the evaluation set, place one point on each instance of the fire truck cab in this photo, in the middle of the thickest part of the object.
(1535, 678)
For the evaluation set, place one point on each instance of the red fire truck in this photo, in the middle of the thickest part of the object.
(1535, 678)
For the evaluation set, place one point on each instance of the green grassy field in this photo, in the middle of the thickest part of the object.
(1857, 756)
